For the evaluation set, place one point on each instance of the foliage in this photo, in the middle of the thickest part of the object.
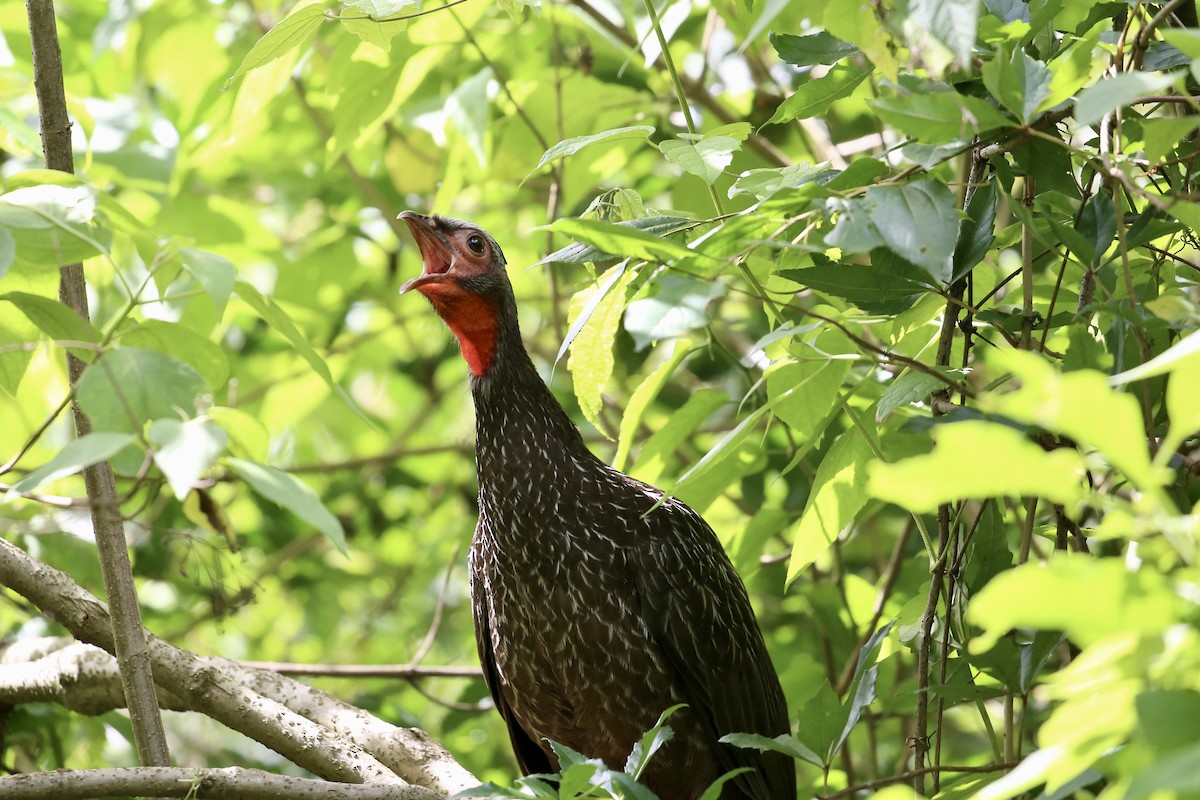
(902, 297)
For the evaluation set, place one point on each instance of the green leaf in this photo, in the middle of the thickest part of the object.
(658, 449)
(641, 399)
(820, 723)
(676, 307)
(583, 252)
(381, 9)
(185, 450)
(53, 224)
(976, 232)
(816, 48)
(763, 183)
(816, 96)
(839, 492)
(713, 792)
(1162, 134)
(290, 33)
(811, 387)
(1079, 404)
(175, 340)
(619, 239)
(1171, 774)
(651, 742)
(215, 274)
(290, 492)
(591, 362)
(911, 387)
(374, 32)
(918, 222)
(864, 695)
(1047, 596)
(1182, 390)
(278, 319)
(79, 453)
(952, 22)
(1016, 467)
(938, 117)
(594, 299)
(855, 282)
(784, 743)
(1112, 93)
(53, 318)
(1098, 225)
(706, 159)
(1186, 40)
(127, 387)
(1019, 82)
(569, 147)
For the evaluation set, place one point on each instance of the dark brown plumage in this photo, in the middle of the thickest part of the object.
(593, 613)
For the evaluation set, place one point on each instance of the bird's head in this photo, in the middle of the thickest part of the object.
(464, 278)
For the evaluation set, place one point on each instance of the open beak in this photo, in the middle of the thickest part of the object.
(435, 251)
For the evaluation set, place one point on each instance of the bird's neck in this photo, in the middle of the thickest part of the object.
(519, 425)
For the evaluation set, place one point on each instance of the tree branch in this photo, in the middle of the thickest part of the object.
(129, 641)
(310, 727)
(234, 783)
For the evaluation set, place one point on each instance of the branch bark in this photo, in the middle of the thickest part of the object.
(308, 726)
(128, 636)
(234, 783)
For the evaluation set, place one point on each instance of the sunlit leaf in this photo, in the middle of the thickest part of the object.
(76, 455)
(184, 450)
(293, 494)
(811, 387)
(591, 362)
(816, 48)
(1045, 596)
(278, 319)
(1016, 467)
(838, 493)
(1019, 82)
(817, 95)
(53, 224)
(680, 427)
(619, 239)
(937, 116)
(677, 306)
(590, 249)
(290, 33)
(1079, 404)
(706, 159)
(953, 22)
(214, 273)
(175, 340)
(53, 318)
(1109, 94)
(128, 387)
(569, 147)
(640, 401)
(911, 387)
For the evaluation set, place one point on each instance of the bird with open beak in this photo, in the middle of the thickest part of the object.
(598, 602)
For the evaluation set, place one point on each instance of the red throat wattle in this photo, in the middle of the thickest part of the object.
(471, 317)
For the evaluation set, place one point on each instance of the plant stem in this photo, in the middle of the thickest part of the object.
(129, 637)
(679, 93)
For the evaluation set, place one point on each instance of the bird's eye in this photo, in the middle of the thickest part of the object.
(475, 242)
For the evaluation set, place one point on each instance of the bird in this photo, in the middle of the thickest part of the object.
(598, 601)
